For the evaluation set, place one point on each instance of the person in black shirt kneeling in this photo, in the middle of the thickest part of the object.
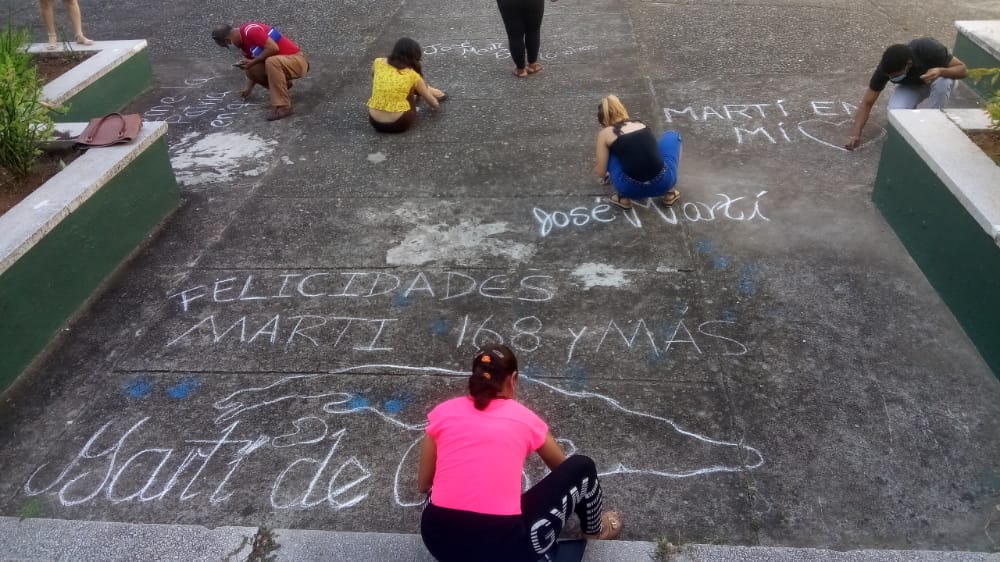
(631, 159)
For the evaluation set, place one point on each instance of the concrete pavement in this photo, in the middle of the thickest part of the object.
(760, 365)
(49, 540)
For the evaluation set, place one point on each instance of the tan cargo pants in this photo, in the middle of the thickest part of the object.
(277, 73)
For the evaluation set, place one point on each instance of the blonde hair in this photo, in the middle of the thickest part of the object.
(611, 110)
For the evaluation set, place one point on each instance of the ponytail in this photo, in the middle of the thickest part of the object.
(482, 387)
(490, 369)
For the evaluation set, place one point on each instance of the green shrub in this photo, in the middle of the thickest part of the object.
(25, 120)
(992, 104)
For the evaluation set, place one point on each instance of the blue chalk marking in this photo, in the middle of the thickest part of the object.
(577, 377)
(721, 262)
(357, 403)
(729, 315)
(655, 358)
(440, 327)
(401, 300)
(183, 389)
(139, 388)
(747, 285)
(666, 329)
(705, 247)
(680, 308)
(393, 406)
(531, 372)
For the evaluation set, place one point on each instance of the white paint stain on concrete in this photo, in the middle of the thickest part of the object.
(287, 160)
(600, 275)
(220, 157)
(414, 214)
(376, 158)
(468, 243)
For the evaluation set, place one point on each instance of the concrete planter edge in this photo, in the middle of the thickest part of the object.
(977, 44)
(117, 73)
(940, 193)
(60, 243)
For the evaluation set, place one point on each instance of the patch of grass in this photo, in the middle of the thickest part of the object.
(263, 546)
(25, 121)
(32, 508)
(992, 104)
(666, 551)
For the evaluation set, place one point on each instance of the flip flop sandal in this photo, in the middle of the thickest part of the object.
(671, 197)
(520, 72)
(620, 202)
(534, 68)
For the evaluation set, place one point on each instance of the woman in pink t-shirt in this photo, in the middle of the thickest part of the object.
(473, 455)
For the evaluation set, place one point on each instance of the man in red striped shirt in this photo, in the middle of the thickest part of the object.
(270, 59)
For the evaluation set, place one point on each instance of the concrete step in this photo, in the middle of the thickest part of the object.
(62, 540)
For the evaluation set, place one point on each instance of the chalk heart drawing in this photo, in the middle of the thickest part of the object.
(832, 133)
(641, 443)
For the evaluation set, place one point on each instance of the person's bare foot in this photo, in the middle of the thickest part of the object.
(53, 42)
(534, 68)
(520, 72)
(81, 40)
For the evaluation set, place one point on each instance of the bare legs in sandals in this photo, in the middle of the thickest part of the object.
(74, 17)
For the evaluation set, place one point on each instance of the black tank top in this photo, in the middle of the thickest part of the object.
(638, 152)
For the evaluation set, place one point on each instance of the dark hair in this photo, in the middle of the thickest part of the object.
(895, 58)
(221, 33)
(406, 53)
(490, 369)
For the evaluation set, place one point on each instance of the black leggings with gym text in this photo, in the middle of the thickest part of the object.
(523, 21)
(453, 534)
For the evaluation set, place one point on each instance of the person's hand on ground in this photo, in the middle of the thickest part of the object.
(852, 142)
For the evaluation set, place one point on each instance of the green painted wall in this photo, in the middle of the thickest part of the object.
(958, 257)
(50, 283)
(975, 57)
(112, 91)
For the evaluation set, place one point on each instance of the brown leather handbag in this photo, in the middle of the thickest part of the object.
(113, 128)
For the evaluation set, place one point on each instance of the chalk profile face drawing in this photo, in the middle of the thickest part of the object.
(685, 453)
(316, 441)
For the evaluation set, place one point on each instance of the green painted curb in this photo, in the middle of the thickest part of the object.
(50, 282)
(975, 57)
(956, 255)
(110, 92)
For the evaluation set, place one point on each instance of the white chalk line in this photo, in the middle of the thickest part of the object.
(232, 409)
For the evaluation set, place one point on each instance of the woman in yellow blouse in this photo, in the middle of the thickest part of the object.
(396, 82)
